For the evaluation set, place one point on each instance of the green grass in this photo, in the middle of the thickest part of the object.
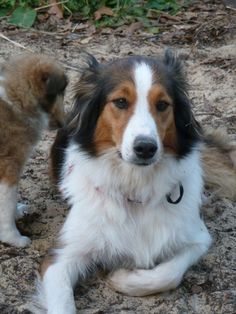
(124, 11)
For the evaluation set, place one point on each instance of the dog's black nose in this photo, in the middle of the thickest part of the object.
(145, 147)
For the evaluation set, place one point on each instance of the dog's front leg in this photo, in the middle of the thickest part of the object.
(60, 272)
(68, 263)
(165, 276)
(58, 283)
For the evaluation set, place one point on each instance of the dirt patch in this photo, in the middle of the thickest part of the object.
(209, 287)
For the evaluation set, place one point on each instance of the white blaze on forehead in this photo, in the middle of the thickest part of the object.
(142, 122)
(145, 124)
(143, 81)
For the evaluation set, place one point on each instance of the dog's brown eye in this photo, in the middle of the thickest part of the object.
(162, 105)
(121, 103)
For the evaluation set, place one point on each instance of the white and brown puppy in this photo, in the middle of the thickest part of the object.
(128, 162)
(31, 94)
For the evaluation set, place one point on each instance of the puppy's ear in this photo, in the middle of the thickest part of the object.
(188, 129)
(55, 83)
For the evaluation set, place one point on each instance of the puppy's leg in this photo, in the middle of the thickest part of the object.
(8, 230)
(165, 276)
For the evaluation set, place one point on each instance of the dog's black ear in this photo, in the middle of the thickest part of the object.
(188, 129)
(175, 70)
(172, 60)
(88, 103)
(90, 61)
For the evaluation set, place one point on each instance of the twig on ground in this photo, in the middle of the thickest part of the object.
(29, 50)
(14, 43)
(50, 5)
(70, 67)
(207, 114)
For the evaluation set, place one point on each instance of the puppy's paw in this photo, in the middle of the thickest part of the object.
(129, 282)
(21, 210)
(21, 241)
(15, 239)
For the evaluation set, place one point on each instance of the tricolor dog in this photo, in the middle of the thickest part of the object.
(128, 162)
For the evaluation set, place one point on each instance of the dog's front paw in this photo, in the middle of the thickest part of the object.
(21, 210)
(129, 282)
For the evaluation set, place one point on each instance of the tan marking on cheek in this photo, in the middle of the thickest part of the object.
(164, 120)
(113, 121)
(103, 133)
(168, 133)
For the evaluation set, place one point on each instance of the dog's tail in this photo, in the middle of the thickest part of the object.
(219, 162)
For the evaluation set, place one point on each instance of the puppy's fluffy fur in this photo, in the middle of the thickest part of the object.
(31, 93)
(129, 163)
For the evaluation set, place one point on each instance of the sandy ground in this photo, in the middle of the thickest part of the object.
(208, 287)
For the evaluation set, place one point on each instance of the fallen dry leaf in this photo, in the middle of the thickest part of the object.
(134, 27)
(55, 10)
(103, 11)
(86, 40)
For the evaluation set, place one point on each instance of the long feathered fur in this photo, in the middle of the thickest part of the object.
(219, 162)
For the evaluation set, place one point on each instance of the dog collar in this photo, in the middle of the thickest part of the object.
(181, 193)
(168, 196)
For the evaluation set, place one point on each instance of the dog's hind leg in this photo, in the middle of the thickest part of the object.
(165, 276)
(8, 230)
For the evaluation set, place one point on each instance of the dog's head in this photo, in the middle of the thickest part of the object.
(137, 107)
(38, 84)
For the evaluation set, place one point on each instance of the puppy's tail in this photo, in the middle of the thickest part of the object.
(219, 162)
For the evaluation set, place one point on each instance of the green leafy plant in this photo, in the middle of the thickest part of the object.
(23, 17)
(124, 11)
(23, 13)
(163, 5)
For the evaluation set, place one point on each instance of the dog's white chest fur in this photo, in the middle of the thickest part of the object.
(127, 212)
